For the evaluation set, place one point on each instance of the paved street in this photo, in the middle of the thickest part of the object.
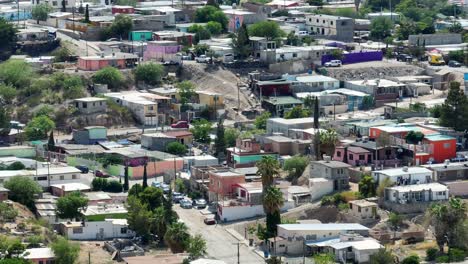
(221, 245)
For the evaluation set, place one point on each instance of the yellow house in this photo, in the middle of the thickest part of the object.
(211, 99)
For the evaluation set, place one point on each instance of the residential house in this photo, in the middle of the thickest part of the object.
(331, 27)
(222, 183)
(246, 153)
(238, 17)
(204, 160)
(160, 140)
(32, 34)
(279, 105)
(96, 230)
(117, 60)
(103, 210)
(90, 135)
(294, 239)
(415, 84)
(416, 193)
(140, 35)
(319, 187)
(354, 156)
(166, 91)
(314, 83)
(259, 44)
(3, 194)
(162, 50)
(211, 100)
(329, 103)
(63, 189)
(45, 177)
(334, 171)
(121, 9)
(363, 210)
(404, 175)
(286, 146)
(354, 98)
(182, 136)
(382, 90)
(449, 171)
(91, 105)
(39, 255)
(18, 151)
(362, 127)
(182, 38)
(291, 53)
(435, 39)
(283, 126)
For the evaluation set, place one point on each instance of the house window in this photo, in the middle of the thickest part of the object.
(294, 55)
(94, 104)
(331, 23)
(351, 156)
(74, 177)
(359, 209)
(338, 154)
(85, 105)
(62, 177)
(446, 145)
(44, 178)
(77, 230)
(317, 20)
(54, 3)
(123, 230)
(361, 157)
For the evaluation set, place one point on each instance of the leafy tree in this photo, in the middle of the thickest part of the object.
(16, 73)
(7, 35)
(176, 148)
(382, 185)
(71, 206)
(126, 184)
(196, 247)
(407, 27)
(395, 221)
(159, 225)
(413, 259)
(230, 136)
(261, 120)
(138, 217)
(22, 190)
(383, 256)
(17, 165)
(297, 112)
(7, 213)
(324, 258)
(177, 237)
(267, 29)
(447, 220)
(241, 43)
(292, 39)
(4, 120)
(414, 137)
(149, 73)
(122, 25)
(212, 3)
(454, 111)
(110, 76)
(431, 254)
(186, 91)
(51, 142)
(135, 190)
(99, 184)
(268, 169)
(40, 12)
(367, 102)
(86, 19)
(367, 186)
(220, 141)
(169, 215)
(211, 13)
(381, 28)
(113, 186)
(7, 93)
(152, 197)
(201, 49)
(215, 28)
(328, 141)
(201, 131)
(61, 54)
(337, 54)
(65, 252)
(295, 166)
(38, 127)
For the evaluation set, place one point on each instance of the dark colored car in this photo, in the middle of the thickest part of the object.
(404, 57)
(82, 168)
(454, 63)
(180, 124)
(209, 221)
(101, 174)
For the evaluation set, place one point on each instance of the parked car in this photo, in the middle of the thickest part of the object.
(333, 63)
(101, 174)
(209, 221)
(203, 59)
(404, 57)
(82, 168)
(303, 33)
(200, 203)
(177, 197)
(454, 63)
(170, 63)
(186, 204)
(180, 124)
(186, 57)
(166, 188)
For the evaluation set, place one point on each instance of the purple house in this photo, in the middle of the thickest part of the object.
(162, 50)
(354, 156)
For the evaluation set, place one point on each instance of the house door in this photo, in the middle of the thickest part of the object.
(335, 185)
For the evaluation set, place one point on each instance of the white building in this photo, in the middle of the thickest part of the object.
(291, 237)
(320, 187)
(99, 230)
(45, 176)
(362, 210)
(404, 175)
(319, 82)
(416, 193)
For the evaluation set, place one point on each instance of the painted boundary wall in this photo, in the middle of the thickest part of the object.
(356, 57)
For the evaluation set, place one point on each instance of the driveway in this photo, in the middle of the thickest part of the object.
(221, 245)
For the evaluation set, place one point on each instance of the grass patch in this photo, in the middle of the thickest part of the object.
(94, 218)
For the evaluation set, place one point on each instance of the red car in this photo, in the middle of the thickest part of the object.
(209, 221)
(101, 174)
(180, 124)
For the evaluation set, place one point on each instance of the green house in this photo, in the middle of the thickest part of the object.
(140, 35)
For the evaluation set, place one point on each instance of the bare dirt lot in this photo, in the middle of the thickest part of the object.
(97, 253)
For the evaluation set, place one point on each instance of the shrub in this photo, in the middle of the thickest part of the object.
(327, 200)
(414, 259)
(457, 254)
(442, 259)
(431, 254)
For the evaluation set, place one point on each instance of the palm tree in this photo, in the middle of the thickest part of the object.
(177, 237)
(159, 222)
(328, 141)
(268, 169)
(272, 202)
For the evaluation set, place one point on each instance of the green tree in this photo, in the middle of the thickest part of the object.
(40, 12)
(414, 137)
(71, 206)
(297, 112)
(367, 186)
(413, 259)
(145, 176)
(456, 28)
(7, 93)
(16, 166)
(201, 131)
(431, 254)
(383, 256)
(113, 186)
(220, 141)
(7, 35)
(211, 13)
(149, 73)
(292, 39)
(7, 213)
(201, 49)
(381, 28)
(51, 142)
(152, 197)
(186, 91)
(99, 184)
(454, 111)
(395, 221)
(122, 25)
(382, 185)
(328, 141)
(38, 127)
(324, 258)
(407, 27)
(138, 217)
(261, 120)
(86, 18)
(176, 148)
(315, 2)
(110, 76)
(295, 166)
(268, 29)
(22, 190)
(180, 185)
(126, 184)
(196, 247)
(159, 224)
(337, 54)
(215, 28)
(230, 136)
(272, 202)
(177, 237)
(135, 190)
(16, 73)
(240, 42)
(268, 169)
(367, 102)
(61, 54)
(66, 252)
(4, 120)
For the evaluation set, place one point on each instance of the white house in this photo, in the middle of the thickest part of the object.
(291, 237)
(417, 193)
(316, 81)
(404, 175)
(98, 230)
(363, 210)
(45, 176)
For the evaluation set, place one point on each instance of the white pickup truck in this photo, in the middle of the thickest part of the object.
(333, 63)
(203, 59)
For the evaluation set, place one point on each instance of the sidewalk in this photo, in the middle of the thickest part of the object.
(244, 241)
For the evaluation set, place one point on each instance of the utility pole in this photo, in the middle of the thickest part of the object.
(238, 252)
(89, 257)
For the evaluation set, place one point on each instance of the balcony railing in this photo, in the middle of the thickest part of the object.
(419, 148)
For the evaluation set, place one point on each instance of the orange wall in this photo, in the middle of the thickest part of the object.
(227, 184)
(442, 153)
(157, 168)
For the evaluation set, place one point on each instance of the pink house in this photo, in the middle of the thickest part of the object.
(119, 60)
(223, 184)
(354, 156)
(39, 255)
(162, 50)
